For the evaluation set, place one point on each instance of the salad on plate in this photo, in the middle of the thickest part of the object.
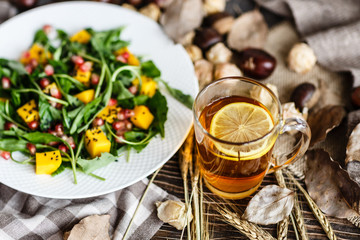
(79, 101)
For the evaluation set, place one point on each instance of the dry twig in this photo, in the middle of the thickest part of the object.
(316, 210)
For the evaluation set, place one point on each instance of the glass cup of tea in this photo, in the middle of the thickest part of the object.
(235, 132)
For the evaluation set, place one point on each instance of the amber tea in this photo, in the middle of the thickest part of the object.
(237, 121)
(233, 173)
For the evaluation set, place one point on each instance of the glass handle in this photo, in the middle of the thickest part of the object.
(294, 124)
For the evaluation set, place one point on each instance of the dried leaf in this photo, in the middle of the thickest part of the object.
(181, 17)
(248, 30)
(270, 205)
(353, 119)
(95, 227)
(330, 186)
(323, 121)
(352, 160)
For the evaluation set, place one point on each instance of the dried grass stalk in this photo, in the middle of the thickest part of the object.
(299, 219)
(250, 230)
(325, 224)
(185, 159)
(283, 226)
(355, 220)
(196, 204)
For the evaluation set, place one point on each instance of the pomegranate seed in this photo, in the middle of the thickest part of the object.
(118, 125)
(28, 68)
(112, 102)
(6, 83)
(120, 58)
(54, 92)
(53, 144)
(95, 79)
(59, 129)
(58, 106)
(34, 63)
(47, 29)
(26, 54)
(120, 115)
(86, 66)
(33, 125)
(32, 148)
(126, 55)
(9, 125)
(5, 155)
(44, 82)
(128, 113)
(128, 125)
(63, 148)
(133, 89)
(77, 60)
(49, 70)
(98, 122)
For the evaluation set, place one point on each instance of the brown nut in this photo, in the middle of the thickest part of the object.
(255, 63)
(305, 95)
(194, 52)
(226, 70)
(152, 11)
(213, 6)
(221, 22)
(203, 72)
(219, 53)
(135, 3)
(206, 37)
(355, 97)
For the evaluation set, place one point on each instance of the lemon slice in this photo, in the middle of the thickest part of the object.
(241, 122)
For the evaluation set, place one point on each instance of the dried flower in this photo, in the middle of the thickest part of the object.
(174, 213)
(194, 52)
(219, 53)
(213, 6)
(226, 70)
(152, 11)
(301, 58)
(203, 72)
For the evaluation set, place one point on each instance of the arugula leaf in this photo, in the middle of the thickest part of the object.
(158, 106)
(48, 114)
(39, 137)
(12, 144)
(185, 99)
(59, 66)
(149, 69)
(41, 37)
(88, 166)
(141, 99)
(63, 166)
(121, 91)
(14, 65)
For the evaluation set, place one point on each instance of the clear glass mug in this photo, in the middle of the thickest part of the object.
(236, 176)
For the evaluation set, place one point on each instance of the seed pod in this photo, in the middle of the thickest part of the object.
(255, 63)
(305, 95)
(206, 37)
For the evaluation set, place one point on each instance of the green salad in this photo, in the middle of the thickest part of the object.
(79, 101)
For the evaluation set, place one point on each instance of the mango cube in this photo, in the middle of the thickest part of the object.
(143, 117)
(28, 112)
(47, 162)
(148, 86)
(83, 77)
(36, 52)
(82, 36)
(109, 113)
(96, 142)
(86, 96)
(132, 59)
(48, 88)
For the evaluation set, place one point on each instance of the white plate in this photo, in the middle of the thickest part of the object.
(147, 38)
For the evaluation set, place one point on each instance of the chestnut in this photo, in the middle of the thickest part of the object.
(305, 95)
(220, 21)
(206, 37)
(24, 4)
(255, 63)
(355, 97)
